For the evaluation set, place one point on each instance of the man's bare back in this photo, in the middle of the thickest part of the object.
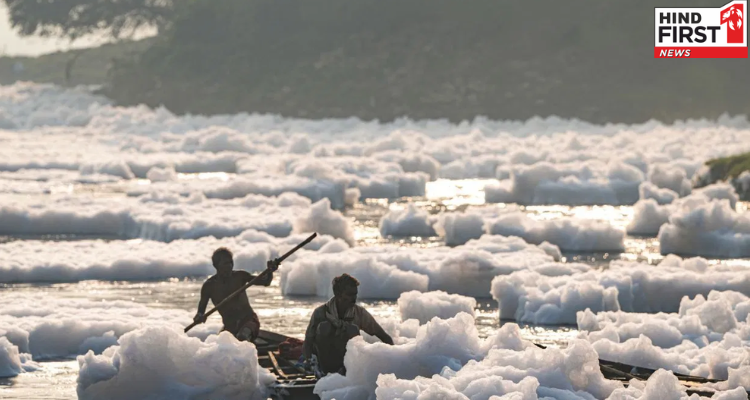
(238, 316)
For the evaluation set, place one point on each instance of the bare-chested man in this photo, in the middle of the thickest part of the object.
(237, 314)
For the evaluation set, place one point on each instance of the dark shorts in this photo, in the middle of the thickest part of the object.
(246, 329)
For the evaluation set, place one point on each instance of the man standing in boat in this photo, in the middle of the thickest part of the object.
(237, 314)
(334, 323)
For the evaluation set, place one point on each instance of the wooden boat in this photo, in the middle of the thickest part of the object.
(294, 383)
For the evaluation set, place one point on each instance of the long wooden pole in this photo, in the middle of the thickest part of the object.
(247, 285)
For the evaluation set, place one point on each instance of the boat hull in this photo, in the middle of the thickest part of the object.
(292, 382)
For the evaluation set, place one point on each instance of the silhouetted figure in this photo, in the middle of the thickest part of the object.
(334, 323)
(237, 314)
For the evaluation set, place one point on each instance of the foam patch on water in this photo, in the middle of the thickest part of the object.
(412, 162)
(166, 174)
(567, 233)
(373, 177)
(653, 211)
(322, 219)
(664, 385)
(548, 160)
(460, 227)
(426, 306)
(60, 327)
(447, 358)
(670, 177)
(407, 222)
(73, 261)
(459, 365)
(159, 361)
(238, 186)
(12, 361)
(312, 276)
(587, 183)
(712, 229)
(167, 217)
(50, 181)
(707, 337)
(649, 190)
(387, 271)
(554, 296)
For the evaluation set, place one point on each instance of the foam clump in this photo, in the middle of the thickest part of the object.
(241, 185)
(536, 297)
(322, 219)
(711, 229)
(115, 168)
(161, 216)
(553, 295)
(670, 177)
(710, 211)
(459, 228)
(10, 362)
(408, 222)
(64, 327)
(164, 362)
(648, 217)
(29, 260)
(660, 385)
(312, 276)
(538, 182)
(425, 306)
(541, 160)
(447, 359)
(705, 337)
(14, 356)
(438, 388)
(567, 233)
(166, 174)
(387, 271)
(648, 190)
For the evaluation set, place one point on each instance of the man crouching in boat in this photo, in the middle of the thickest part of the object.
(334, 323)
(237, 314)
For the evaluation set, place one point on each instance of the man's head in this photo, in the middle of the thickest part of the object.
(223, 262)
(345, 291)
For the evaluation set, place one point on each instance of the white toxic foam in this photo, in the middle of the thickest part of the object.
(553, 296)
(167, 217)
(425, 306)
(407, 222)
(164, 362)
(73, 261)
(706, 337)
(447, 359)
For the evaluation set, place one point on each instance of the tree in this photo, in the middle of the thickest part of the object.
(73, 19)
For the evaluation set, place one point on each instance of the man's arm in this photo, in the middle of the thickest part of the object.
(307, 348)
(372, 327)
(264, 280)
(203, 303)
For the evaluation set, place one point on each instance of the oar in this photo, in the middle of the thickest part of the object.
(247, 285)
